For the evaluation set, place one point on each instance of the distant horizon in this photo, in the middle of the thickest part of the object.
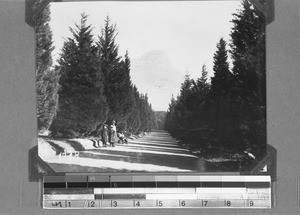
(189, 39)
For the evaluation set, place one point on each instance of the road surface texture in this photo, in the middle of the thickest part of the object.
(155, 152)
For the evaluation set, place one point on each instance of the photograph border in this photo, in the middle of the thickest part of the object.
(33, 9)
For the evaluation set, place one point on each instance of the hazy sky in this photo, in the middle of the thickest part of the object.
(187, 31)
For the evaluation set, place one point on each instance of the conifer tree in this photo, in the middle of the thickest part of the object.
(221, 89)
(200, 90)
(125, 85)
(134, 119)
(186, 92)
(231, 110)
(117, 84)
(248, 53)
(152, 121)
(82, 106)
(203, 79)
(143, 112)
(46, 76)
(221, 81)
(170, 122)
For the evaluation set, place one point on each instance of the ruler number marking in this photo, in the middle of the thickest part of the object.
(251, 203)
(114, 204)
(182, 203)
(227, 203)
(160, 203)
(91, 204)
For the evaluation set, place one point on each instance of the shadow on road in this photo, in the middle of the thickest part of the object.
(155, 148)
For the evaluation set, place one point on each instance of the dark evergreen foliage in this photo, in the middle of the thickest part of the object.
(221, 82)
(134, 120)
(201, 90)
(230, 113)
(117, 84)
(46, 76)
(160, 119)
(82, 106)
(127, 106)
(220, 102)
(147, 115)
(248, 53)
(95, 87)
(186, 116)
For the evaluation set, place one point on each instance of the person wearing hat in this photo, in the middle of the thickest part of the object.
(104, 135)
(113, 134)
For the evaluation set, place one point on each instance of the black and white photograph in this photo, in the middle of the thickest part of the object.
(152, 86)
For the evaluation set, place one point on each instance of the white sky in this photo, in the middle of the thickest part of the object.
(187, 31)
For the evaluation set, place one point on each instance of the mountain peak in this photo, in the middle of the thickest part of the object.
(153, 73)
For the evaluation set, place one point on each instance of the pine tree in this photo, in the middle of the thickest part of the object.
(200, 90)
(203, 79)
(46, 76)
(125, 94)
(143, 112)
(220, 103)
(134, 119)
(230, 113)
(186, 93)
(117, 84)
(108, 50)
(82, 105)
(170, 116)
(248, 53)
(221, 81)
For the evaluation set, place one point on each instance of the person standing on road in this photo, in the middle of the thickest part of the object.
(113, 134)
(104, 135)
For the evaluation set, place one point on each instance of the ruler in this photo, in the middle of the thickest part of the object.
(160, 191)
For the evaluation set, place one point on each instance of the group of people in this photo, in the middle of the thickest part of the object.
(109, 135)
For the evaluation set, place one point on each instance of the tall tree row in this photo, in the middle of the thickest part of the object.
(46, 76)
(229, 112)
(220, 101)
(127, 106)
(82, 105)
(94, 85)
(117, 84)
(186, 116)
(249, 68)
